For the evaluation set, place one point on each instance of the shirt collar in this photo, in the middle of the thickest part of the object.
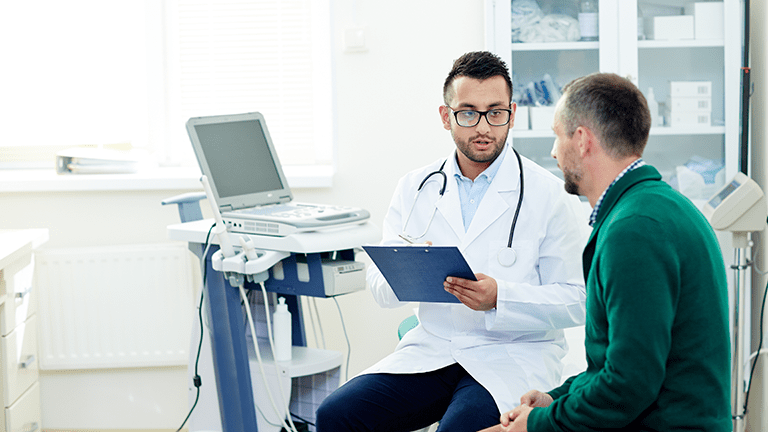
(636, 164)
(489, 173)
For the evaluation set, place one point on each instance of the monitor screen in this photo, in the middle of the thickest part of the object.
(717, 199)
(239, 157)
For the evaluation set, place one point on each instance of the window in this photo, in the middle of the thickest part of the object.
(119, 72)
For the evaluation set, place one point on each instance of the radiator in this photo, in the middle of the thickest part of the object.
(114, 307)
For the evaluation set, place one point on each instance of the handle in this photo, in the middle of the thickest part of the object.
(27, 362)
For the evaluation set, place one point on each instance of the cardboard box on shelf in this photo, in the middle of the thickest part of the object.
(689, 118)
(690, 89)
(697, 104)
(521, 118)
(671, 27)
(708, 22)
(541, 117)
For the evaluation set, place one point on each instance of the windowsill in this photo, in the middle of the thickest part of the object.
(46, 180)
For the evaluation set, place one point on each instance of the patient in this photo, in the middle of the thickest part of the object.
(657, 309)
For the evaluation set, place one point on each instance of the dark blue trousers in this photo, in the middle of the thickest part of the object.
(407, 402)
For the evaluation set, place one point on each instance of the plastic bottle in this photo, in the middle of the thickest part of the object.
(281, 329)
(588, 20)
(640, 23)
(653, 106)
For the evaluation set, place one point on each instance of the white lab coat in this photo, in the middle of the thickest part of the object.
(518, 345)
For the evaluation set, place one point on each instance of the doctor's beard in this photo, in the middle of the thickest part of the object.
(467, 148)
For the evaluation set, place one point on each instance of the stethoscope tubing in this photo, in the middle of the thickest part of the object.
(442, 192)
(519, 199)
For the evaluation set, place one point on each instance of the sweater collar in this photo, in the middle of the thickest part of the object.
(626, 182)
(634, 165)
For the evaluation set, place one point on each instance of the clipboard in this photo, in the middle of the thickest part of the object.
(417, 273)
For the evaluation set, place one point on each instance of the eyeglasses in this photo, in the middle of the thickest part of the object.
(470, 118)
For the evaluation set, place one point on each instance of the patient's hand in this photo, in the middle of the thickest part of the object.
(516, 420)
(535, 398)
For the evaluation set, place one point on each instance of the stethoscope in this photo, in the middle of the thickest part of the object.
(506, 256)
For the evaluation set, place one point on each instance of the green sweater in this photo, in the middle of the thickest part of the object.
(657, 337)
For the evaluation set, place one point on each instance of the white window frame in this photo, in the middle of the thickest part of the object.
(155, 103)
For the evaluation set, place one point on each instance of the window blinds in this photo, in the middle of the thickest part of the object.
(269, 56)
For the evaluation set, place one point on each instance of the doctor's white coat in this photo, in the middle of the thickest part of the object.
(518, 345)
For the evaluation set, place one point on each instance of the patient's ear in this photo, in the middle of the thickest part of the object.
(586, 140)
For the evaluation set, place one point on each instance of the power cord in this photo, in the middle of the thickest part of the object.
(319, 323)
(292, 427)
(757, 353)
(346, 337)
(197, 380)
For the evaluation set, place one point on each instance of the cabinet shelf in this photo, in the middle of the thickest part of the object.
(655, 131)
(689, 130)
(688, 43)
(581, 45)
(555, 46)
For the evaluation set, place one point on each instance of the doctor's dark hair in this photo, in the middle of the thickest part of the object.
(612, 107)
(479, 65)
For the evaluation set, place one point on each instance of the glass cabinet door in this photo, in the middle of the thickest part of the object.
(658, 45)
(546, 54)
(689, 56)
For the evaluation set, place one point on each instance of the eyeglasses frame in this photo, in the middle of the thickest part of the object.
(482, 114)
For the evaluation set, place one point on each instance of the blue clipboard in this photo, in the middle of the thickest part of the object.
(417, 273)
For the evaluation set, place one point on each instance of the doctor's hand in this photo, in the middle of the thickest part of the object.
(479, 295)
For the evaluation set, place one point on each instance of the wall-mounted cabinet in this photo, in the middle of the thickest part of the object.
(649, 42)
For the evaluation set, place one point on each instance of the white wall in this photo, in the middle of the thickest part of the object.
(411, 45)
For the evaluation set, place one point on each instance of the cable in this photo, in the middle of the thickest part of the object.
(258, 354)
(754, 354)
(312, 319)
(349, 347)
(759, 346)
(753, 261)
(319, 322)
(270, 337)
(196, 380)
(303, 420)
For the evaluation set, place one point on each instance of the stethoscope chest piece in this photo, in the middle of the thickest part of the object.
(506, 257)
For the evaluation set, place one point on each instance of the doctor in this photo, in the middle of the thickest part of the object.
(466, 362)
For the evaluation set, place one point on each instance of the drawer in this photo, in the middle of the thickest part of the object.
(24, 414)
(16, 288)
(20, 360)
